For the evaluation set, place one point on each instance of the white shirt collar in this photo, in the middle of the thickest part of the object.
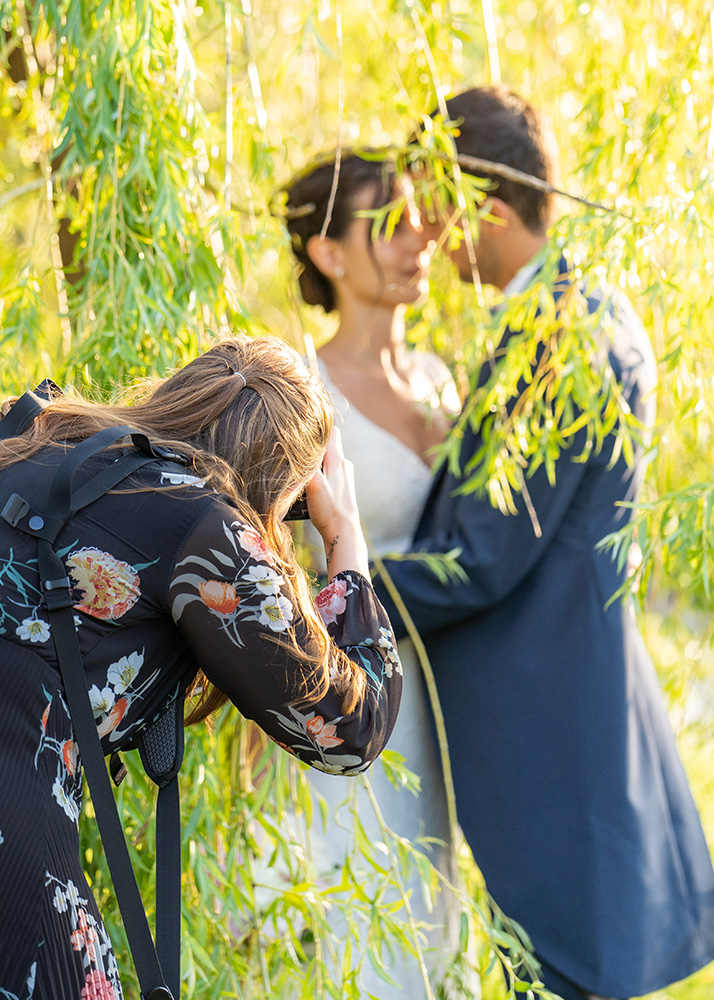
(522, 279)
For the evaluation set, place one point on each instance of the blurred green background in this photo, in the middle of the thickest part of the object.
(143, 145)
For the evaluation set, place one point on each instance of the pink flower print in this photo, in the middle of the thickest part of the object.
(97, 987)
(251, 541)
(331, 601)
(219, 596)
(86, 937)
(70, 755)
(109, 587)
(114, 718)
(323, 734)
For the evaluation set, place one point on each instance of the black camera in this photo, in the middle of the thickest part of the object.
(298, 509)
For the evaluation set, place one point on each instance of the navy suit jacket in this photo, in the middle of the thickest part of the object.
(568, 784)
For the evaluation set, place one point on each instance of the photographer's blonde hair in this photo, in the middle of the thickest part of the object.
(253, 422)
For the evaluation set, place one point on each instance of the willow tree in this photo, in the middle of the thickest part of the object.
(144, 145)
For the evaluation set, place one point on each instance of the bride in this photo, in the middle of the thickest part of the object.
(393, 404)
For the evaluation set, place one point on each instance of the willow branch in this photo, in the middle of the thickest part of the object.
(340, 123)
(474, 164)
(23, 189)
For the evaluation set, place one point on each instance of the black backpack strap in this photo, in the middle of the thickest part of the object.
(59, 502)
(59, 603)
(18, 512)
(168, 882)
(161, 748)
(26, 408)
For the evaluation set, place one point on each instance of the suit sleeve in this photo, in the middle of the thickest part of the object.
(497, 551)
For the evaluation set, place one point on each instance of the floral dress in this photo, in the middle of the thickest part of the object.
(166, 581)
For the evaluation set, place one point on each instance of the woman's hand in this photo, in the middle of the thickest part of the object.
(332, 505)
(331, 499)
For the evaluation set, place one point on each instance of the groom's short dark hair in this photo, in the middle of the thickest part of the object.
(496, 124)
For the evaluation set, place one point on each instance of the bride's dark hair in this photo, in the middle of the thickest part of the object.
(308, 201)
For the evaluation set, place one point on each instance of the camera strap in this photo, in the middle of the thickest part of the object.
(26, 408)
(160, 743)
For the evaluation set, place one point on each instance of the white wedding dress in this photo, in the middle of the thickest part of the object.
(392, 483)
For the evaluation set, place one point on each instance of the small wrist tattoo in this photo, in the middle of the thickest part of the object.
(331, 550)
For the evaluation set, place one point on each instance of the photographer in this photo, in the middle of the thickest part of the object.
(183, 579)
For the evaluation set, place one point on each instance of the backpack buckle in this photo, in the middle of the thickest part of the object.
(15, 509)
(58, 593)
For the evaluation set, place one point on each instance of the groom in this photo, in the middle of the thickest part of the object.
(568, 785)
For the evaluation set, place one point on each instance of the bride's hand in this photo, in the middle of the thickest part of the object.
(332, 505)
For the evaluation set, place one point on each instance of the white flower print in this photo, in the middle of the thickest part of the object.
(73, 894)
(67, 803)
(60, 900)
(276, 612)
(264, 579)
(122, 673)
(392, 661)
(34, 629)
(102, 701)
(342, 767)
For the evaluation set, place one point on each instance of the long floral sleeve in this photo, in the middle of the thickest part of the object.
(237, 615)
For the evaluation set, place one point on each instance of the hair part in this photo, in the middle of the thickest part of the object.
(253, 422)
(496, 124)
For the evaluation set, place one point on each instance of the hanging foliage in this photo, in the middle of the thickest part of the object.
(144, 146)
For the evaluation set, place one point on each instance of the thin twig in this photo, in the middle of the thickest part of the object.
(261, 115)
(474, 164)
(710, 140)
(402, 890)
(340, 122)
(525, 492)
(43, 129)
(18, 192)
(489, 23)
(460, 196)
(115, 250)
(430, 682)
(478, 166)
(228, 35)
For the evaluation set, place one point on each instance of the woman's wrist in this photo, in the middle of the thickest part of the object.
(345, 548)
